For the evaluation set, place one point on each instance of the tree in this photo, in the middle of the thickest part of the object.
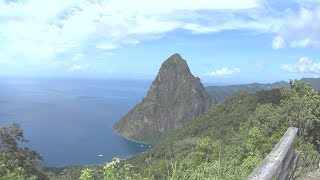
(86, 174)
(17, 162)
(110, 171)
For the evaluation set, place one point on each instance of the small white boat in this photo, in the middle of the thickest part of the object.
(100, 155)
(141, 145)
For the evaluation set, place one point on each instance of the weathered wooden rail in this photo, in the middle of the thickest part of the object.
(280, 162)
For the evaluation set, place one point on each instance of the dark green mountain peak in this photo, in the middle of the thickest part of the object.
(174, 99)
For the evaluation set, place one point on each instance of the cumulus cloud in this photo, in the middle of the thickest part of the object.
(229, 24)
(77, 57)
(303, 65)
(223, 72)
(79, 68)
(300, 30)
(42, 29)
(278, 43)
(107, 46)
(302, 43)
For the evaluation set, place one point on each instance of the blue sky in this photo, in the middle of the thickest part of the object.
(224, 42)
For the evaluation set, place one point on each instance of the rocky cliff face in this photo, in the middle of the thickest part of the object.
(175, 98)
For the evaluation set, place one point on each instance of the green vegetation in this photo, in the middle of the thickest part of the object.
(231, 139)
(111, 170)
(220, 93)
(315, 82)
(227, 142)
(17, 163)
(223, 92)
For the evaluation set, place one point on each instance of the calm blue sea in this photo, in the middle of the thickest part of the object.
(70, 121)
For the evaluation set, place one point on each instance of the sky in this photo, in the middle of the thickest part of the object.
(226, 42)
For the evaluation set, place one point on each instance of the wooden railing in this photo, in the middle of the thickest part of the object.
(280, 162)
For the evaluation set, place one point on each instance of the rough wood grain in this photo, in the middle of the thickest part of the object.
(278, 163)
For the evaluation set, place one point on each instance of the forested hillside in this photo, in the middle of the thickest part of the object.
(220, 93)
(230, 140)
(227, 142)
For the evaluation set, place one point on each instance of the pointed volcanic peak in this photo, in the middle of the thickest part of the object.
(175, 98)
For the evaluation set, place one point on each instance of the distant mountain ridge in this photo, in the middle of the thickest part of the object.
(174, 98)
(220, 93)
(315, 82)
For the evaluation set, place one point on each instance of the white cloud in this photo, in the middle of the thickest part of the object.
(107, 46)
(304, 65)
(278, 43)
(131, 41)
(230, 22)
(304, 43)
(223, 72)
(77, 57)
(79, 68)
(37, 30)
(302, 29)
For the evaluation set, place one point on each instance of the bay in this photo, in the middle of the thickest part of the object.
(70, 121)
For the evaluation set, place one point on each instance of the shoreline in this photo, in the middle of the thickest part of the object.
(86, 165)
(129, 139)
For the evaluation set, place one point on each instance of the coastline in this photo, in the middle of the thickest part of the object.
(98, 164)
(129, 139)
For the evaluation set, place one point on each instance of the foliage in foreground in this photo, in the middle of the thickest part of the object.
(231, 140)
(111, 170)
(17, 163)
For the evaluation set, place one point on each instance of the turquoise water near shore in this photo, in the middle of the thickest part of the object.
(70, 121)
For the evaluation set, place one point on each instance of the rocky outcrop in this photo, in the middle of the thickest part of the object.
(174, 99)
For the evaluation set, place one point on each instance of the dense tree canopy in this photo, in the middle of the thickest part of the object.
(15, 162)
(230, 140)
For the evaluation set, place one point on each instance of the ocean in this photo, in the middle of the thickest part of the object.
(70, 121)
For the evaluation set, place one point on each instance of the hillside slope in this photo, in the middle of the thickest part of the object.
(232, 138)
(220, 93)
